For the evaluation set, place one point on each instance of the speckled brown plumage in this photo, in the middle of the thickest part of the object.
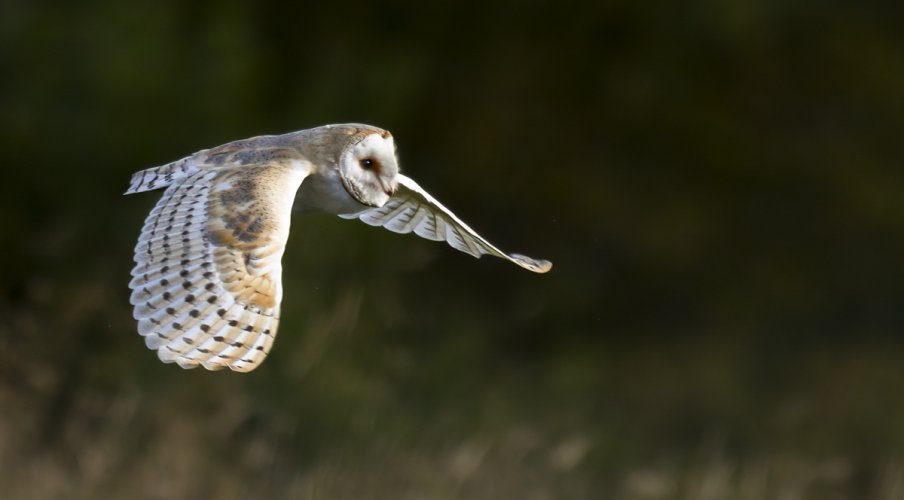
(206, 285)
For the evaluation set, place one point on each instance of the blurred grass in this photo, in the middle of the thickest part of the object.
(718, 185)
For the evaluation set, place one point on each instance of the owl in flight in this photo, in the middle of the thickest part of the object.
(207, 279)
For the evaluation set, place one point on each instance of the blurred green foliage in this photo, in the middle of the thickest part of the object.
(719, 185)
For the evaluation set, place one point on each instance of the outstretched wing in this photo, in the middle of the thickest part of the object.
(413, 209)
(207, 281)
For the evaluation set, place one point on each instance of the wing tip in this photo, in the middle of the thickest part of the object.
(539, 266)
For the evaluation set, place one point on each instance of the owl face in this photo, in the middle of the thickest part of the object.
(368, 169)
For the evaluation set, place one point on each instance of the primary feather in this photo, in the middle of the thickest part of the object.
(207, 281)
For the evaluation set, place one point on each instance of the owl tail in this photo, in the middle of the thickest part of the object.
(158, 177)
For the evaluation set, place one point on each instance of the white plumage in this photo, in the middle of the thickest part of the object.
(413, 209)
(206, 286)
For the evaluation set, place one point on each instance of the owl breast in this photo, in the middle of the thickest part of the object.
(324, 192)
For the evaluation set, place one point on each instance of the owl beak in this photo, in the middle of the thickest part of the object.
(389, 190)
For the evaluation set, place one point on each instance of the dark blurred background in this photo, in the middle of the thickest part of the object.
(719, 185)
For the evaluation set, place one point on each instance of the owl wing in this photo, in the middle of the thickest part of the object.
(207, 281)
(413, 209)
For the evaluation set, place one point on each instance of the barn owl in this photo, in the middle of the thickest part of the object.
(206, 287)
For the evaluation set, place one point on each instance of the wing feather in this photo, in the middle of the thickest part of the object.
(206, 286)
(413, 209)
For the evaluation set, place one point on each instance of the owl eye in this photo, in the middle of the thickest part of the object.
(367, 164)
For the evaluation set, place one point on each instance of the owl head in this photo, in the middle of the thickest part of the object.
(368, 166)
